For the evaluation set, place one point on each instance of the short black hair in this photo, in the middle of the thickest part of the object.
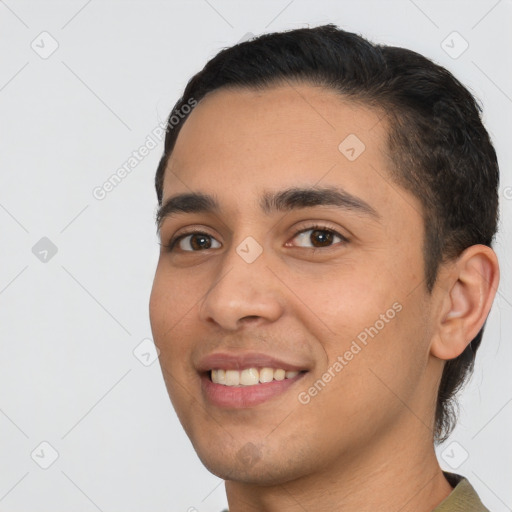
(437, 145)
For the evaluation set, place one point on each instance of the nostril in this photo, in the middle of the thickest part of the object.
(250, 317)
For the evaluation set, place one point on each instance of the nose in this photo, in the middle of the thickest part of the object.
(242, 292)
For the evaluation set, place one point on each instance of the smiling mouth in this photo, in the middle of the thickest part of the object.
(250, 376)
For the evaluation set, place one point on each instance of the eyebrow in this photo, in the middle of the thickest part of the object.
(271, 202)
(195, 202)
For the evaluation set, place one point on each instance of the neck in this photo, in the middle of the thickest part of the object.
(399, 472)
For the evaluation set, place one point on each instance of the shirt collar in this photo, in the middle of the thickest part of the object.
(463, 498)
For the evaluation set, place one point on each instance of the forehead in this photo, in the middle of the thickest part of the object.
(241, 142)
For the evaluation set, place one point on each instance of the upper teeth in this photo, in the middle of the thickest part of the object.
(250, 376)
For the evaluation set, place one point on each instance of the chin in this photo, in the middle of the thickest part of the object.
(251, 465)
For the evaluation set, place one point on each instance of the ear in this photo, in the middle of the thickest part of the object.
(467, 289)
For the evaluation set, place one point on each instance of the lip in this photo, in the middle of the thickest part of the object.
(240, 397)
(241, 361)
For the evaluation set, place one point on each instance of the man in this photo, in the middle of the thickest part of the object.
(327, 208)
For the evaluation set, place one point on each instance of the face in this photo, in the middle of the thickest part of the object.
(310, 307)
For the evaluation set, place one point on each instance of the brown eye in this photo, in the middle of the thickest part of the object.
(321, 237)
(194, 242)
(318, 237)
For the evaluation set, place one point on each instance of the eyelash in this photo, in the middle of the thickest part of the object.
(316, 227)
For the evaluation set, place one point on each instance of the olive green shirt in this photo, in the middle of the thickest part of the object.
(463, 498)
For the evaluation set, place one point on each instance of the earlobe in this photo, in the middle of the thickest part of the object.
(468, 290)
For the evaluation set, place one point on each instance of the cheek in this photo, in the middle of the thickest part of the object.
(378, 329)
(171, 309)
(347, 299)
(172, 299)
(388, 369)
(366, 391)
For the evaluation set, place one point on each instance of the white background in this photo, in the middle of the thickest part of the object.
(68, 327)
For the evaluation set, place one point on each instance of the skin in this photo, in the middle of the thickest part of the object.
(365, 441)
